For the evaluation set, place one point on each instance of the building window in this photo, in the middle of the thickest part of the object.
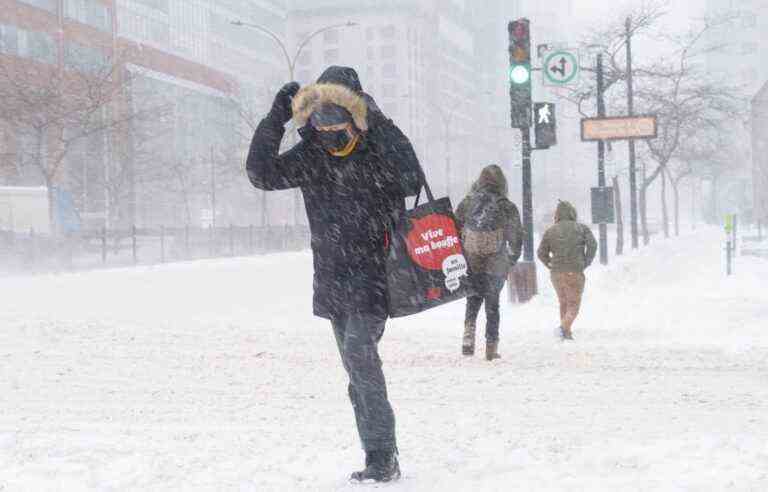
(389, 90)
(305, 58)
(389, 70)
(390, 108)
(84, 58)
(9, 40)
(331, 56)
(90, 12)
(331, 36)
(369, 33)
(749, 20)
(161, 5)
(748, 48)
(303, 76)
(388, 32)
(370, 52)
(749, 74)
(38, 46)
(49, 5)
(388, 51)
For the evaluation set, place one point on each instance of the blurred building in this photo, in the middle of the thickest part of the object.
(739, 42)
(419, 59)
(185, 53)
(759, 124)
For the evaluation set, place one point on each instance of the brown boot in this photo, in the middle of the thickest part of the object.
(492, 351)
(468, 341)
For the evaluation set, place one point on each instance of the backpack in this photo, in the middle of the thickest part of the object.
(483, 233)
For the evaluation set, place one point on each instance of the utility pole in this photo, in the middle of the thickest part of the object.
(601, 157)
(632, 155)
(213, 190)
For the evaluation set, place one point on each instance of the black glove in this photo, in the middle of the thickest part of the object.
(281, 108)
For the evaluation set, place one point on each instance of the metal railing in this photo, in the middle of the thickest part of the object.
(33, 252)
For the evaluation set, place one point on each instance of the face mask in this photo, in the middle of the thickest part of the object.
(338, 142)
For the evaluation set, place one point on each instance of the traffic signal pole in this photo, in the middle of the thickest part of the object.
(527, 197)
(521, 102)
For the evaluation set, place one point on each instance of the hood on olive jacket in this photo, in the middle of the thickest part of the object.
(565, 211)
(567, 246)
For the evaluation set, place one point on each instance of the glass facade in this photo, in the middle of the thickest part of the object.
(90, 12)
(84, 58)
(35, 45)
(49, 5)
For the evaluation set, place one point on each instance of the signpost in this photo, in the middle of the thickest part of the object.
(600, 130)
(619, 128)
(602, 205)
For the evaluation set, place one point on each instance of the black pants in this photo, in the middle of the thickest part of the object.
(488, 288)
(357, 337)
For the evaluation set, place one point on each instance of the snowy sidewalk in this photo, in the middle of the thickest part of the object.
(214, 376)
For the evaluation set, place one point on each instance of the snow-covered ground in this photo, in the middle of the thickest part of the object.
(214, 376)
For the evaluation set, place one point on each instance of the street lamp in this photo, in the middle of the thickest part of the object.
(446, 118)
(291, 62)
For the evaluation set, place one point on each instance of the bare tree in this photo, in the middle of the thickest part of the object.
(673, 87)
(50, 109)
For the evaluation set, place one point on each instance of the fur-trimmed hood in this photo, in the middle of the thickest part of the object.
(312, 97)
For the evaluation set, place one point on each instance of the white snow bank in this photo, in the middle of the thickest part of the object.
(214, 376)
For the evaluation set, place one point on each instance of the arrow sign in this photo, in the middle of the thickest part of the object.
(561, 67)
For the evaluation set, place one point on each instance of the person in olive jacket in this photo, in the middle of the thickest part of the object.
(567, 249)
(492, 237)
(354, 168)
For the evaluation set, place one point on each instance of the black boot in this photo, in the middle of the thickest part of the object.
(380, 466)
(468, 340)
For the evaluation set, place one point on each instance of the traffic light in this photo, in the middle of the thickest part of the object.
(520, 73)
(545, 125)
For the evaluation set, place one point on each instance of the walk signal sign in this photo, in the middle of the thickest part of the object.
(545, 125)
(520, 73)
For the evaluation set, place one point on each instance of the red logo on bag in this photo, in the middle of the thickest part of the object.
(434, 293)
(433, 239)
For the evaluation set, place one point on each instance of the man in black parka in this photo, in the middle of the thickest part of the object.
(354, 168)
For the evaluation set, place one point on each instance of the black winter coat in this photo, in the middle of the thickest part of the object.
(352, 202)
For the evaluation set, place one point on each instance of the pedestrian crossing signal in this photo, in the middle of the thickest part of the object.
(545, 125)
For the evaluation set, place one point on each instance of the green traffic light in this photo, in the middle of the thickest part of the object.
(520, 74)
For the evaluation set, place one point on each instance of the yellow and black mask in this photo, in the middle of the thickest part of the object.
(335, 129)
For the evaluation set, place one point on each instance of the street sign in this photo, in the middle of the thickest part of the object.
(602, 205)
(561, 67)
(729, 223)
(618, 128)
(545, 125)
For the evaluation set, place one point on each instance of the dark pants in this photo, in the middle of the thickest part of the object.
(357, 337)
(488, 288)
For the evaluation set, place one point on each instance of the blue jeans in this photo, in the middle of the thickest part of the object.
(357, 336)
